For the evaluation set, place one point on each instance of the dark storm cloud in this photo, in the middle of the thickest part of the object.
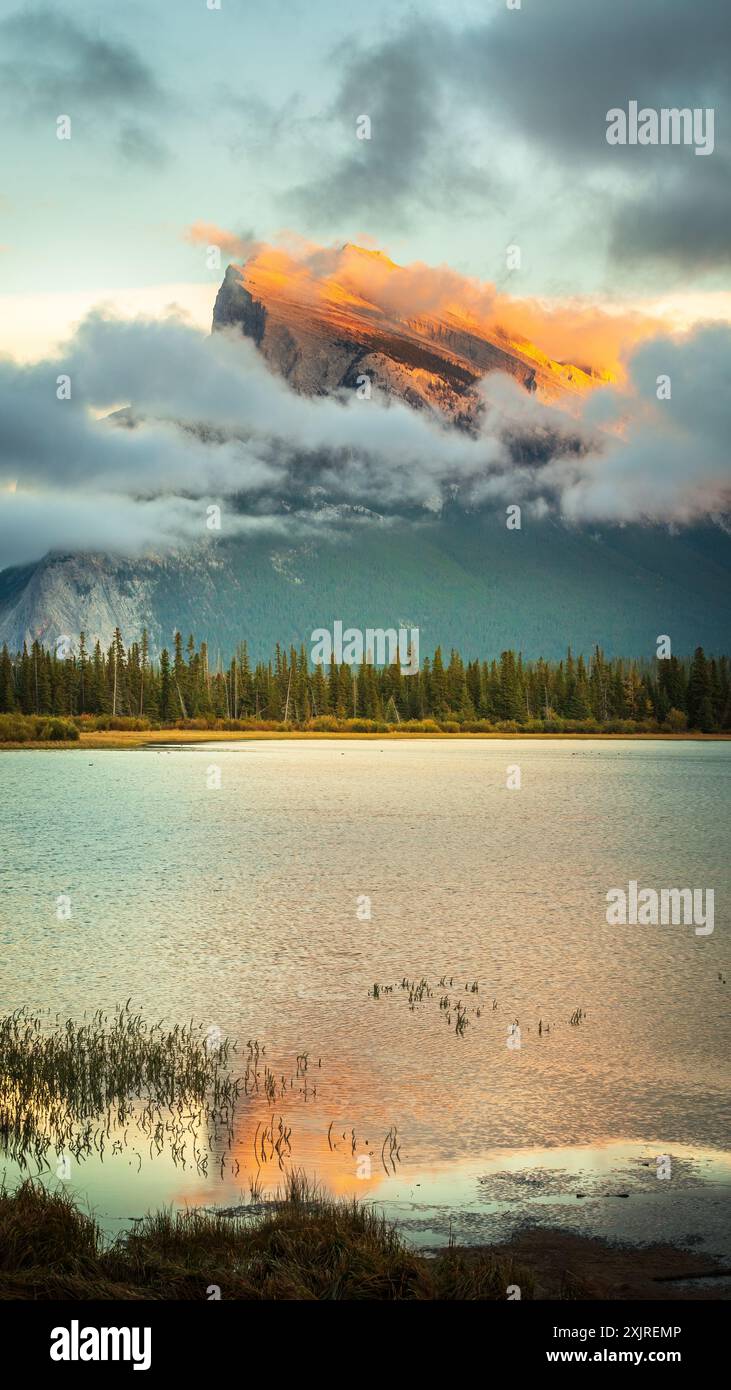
(553, 77)
(52, 65)
(679, 220)
(544, 76)
(553, 70)
(401, 88)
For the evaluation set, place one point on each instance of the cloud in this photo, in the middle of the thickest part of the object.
(34, 523)
(211, 425)
(553, 71)
(680, 220)
(140, 145)
(551, 75)
(240, 245)
(670, 460)
(54, 66)
(399, 88)
(457, 109)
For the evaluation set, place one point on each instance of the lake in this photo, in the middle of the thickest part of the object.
(264, 889)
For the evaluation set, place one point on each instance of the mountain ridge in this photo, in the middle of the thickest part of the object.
(321, 336)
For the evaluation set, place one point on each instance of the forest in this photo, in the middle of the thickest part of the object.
(184, 687)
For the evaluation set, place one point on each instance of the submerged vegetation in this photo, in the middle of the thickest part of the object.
(128, 689)
(299, 1245)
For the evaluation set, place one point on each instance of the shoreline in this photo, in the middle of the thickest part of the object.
(567, 1265)
(163, 738)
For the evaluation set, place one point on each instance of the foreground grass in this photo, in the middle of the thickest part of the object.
(302, 1246)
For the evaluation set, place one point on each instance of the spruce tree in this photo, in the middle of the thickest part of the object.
(7, 683)
(699, 705)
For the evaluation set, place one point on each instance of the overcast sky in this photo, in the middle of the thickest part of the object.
(488, 129)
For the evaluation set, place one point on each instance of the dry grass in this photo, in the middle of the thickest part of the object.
(134, 738)
(300, 1246)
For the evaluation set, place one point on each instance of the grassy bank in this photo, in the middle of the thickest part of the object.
(145, 738)
(302, 1246)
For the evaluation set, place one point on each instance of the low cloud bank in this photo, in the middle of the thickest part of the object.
(210, 426)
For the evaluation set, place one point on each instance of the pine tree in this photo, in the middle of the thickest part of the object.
(509, 700)
(699, 704)
(438, 686)
(166, 706)
(83, 668)
(318, 685)
(144, 659)
(179, 676)
(7, 683)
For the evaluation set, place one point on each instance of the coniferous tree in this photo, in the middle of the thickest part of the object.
(166, 706)
(7, 682)
(699, 701)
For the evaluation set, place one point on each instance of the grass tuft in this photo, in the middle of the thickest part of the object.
(299, 1245)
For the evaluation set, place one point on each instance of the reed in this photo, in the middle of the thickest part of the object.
(74, 1088)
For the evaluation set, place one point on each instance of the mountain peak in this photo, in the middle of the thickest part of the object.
(371, 253)
(326, 322)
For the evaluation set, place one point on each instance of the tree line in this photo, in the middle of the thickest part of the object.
(184, 684)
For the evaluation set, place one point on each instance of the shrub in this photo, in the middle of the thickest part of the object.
(36, 728)
(117, 723)
(324, 724)
(57, 730)
(677, 721)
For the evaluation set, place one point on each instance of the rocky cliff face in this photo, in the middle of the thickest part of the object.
(323, 334)
(64, 595)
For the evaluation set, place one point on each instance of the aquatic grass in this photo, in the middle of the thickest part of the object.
(417, 991)
(73, 1087)
(458, 1013)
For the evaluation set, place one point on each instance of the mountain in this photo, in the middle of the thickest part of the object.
(462, 577)
(322, 333)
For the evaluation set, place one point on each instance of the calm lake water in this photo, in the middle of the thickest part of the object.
(243, 906)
